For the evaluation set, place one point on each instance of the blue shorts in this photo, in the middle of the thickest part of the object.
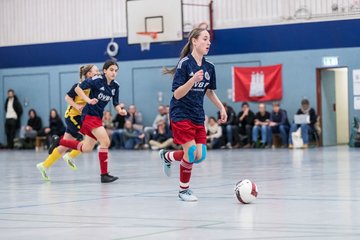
(73, 125)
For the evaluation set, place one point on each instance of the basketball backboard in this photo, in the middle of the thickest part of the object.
(162, 17)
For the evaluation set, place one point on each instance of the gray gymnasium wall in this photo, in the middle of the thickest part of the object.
(141, 81)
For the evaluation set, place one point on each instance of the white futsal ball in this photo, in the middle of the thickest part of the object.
(246, 191)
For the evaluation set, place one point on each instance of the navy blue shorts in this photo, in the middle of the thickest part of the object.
(73, 125)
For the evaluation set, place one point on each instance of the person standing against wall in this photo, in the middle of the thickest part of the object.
(13, 112)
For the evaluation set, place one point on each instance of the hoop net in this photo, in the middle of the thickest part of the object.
(146, 39)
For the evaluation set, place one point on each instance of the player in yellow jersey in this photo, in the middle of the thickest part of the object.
(73, 122)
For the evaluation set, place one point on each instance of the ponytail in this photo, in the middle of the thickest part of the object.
(195, 33)
(81, 73)
(84, 70)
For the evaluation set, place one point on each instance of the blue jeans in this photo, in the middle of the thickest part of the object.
(305, 129)
(283, 131)
(117, 138)
(131, 142)
(231, 134)
(265, 134)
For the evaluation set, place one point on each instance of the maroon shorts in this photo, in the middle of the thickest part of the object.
(90, 123)
(185, 131)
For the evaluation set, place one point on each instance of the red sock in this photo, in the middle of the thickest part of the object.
(103, 158)
(174, 155)
(73, 144)
(185, 174)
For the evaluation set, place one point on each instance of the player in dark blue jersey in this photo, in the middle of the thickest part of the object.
(194, 77)
(73, 124)
(102, 89)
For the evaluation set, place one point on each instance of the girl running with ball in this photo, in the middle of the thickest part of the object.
(194, 77)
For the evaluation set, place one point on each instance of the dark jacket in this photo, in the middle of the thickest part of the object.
(162, 137)
(262, 118)
(18, 109)
(280, 118)
(231, 120)
(56, 126)
(248, 120)
(119, 121)
(35, 123)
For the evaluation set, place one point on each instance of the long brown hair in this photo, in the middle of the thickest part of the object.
(195, 33)
(84, 70)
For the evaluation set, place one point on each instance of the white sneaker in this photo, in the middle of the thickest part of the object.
(228, 146)
(43, 172)
(187, 196)
(166, 163)
(70, 161)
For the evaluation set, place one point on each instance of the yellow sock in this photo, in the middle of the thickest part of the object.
(52, 158)
(74, 153)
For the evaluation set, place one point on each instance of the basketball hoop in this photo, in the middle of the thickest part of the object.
(145, 39)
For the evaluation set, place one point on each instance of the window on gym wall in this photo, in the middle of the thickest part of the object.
(234, 13)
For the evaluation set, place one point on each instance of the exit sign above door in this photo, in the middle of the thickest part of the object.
(330, 61)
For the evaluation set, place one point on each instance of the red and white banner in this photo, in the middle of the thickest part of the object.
(257, 84)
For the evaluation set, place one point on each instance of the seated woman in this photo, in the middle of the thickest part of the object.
(56, 126)
(132, 138)
(33, 126)
(306, 128)
(162, 138)
(214, 134)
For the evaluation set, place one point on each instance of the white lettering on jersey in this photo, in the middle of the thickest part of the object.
(113, 92)
(104, 97)
(201, 85)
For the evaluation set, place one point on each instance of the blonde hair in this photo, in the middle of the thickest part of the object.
(195, 33)
(84, 70)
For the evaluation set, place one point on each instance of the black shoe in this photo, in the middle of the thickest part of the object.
(107, 178)
(54, 143)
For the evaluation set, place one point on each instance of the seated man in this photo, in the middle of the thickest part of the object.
(305, 109)
(261, 124)
(279, 123)
(246, 123)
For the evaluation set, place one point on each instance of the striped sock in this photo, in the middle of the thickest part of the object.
(185, 174)
(174, 155)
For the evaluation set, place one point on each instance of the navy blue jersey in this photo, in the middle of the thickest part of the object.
(190, 107)
(103, 92)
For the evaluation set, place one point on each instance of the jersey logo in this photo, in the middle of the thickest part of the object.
(102, 89)
(113, 92)
(207, 76)
(104, 97)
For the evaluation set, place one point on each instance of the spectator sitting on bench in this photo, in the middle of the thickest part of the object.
(261, 124)
(279, 123)
(306, 128)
